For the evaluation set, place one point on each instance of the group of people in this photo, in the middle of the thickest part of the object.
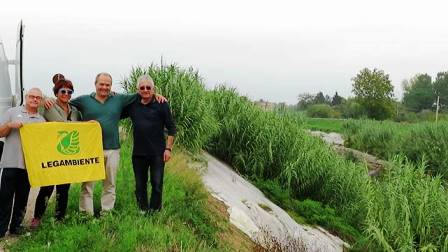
(150, 115)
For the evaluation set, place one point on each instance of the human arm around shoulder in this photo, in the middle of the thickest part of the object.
(125, 113)
(127, 99)
(48, 102)
(77, 102)
(160, 98)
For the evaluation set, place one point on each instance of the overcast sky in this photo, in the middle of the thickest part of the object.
(270, 50)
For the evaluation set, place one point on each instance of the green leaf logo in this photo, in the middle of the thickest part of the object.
(68, 143)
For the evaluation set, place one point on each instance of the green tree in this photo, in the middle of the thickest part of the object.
(418, 93)
(441, 88)
(320, 98)
(337, 100)
(304, 101)
(328, 99)
(374, 91)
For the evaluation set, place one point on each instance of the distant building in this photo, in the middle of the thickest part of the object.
(268, 106)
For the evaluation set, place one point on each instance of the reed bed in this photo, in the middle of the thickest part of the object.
(403, 210)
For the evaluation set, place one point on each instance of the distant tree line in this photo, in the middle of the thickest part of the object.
(374, 98)
(421, 93)
(305, 100)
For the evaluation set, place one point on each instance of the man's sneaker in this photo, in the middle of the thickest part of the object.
(35, 223)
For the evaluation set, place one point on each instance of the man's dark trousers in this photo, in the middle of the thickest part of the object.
(14, 186)
(61, 200)
(2, 144)
(156, 167)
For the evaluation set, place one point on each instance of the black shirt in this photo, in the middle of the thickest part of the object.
(149, 121)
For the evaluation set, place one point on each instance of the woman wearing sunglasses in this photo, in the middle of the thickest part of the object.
(61, 112)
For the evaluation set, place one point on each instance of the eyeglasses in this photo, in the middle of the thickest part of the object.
(33, 97)
(145, 88)
(65, 91)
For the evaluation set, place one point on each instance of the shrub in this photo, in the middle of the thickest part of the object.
(322, 111)
(379, 138)
(405, 116)
(426, 115)
(351, 109)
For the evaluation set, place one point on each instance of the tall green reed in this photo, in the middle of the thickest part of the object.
(407, 210)
(186, 94)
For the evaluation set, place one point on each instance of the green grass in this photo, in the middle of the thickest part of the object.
(187, 221)
(325, 124)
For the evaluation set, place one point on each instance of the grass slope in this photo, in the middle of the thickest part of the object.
(190, 221)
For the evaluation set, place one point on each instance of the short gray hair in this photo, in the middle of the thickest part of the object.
(33, 89)
(145, 77)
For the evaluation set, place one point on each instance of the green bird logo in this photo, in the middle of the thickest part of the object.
(69, 142)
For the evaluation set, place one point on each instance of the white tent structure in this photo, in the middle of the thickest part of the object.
(7, 98)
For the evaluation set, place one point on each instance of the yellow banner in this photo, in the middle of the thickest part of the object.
(60, 153)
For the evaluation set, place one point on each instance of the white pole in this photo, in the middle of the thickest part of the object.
(437, 108)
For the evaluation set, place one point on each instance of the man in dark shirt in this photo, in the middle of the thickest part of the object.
(149, 119)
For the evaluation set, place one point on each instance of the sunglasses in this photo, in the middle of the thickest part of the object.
(65, 91)
(145, 88)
